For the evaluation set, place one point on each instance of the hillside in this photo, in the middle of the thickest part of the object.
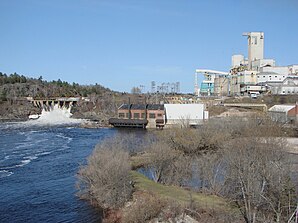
(101, 103)
(15, 88)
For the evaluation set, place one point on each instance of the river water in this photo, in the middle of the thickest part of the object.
(38, 166)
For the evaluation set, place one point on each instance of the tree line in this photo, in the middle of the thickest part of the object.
(15, 85)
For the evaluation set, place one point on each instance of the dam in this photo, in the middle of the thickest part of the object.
(48, 103)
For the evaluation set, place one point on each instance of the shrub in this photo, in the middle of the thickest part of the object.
(105, 180)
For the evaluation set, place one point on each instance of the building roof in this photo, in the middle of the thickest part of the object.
(133, 106)
(142, 106)
(155, 107)
(281, 108)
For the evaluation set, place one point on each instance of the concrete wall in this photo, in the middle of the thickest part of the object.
(237, 60)
(284, 90)
(221, 86)
(258, 64)
(247, 77)
(278, 116)
(184, 114)
(279, 70)
(293, 114)
(270, 77)
(255, 46)
(234, 86)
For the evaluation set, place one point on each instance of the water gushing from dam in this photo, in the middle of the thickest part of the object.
(55, 115)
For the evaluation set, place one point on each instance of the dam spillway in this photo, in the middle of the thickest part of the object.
(54, 111)
(49, 103)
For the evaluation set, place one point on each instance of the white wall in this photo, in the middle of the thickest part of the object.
(255, 46)
(256, 65)
(176, 113)
(279, 70)
(237, 60)
(270, 77)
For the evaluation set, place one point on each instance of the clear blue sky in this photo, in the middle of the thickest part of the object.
(126, 43)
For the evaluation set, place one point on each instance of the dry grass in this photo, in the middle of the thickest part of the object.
(179, 194)
(139, 160)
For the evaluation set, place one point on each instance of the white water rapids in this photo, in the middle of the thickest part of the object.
(55, 116)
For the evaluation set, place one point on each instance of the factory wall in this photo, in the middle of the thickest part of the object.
(184, 114)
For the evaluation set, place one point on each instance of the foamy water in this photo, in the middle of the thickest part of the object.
(56, 116)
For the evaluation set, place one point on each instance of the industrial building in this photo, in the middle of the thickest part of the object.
(284, 113)
(252, 76)
(185, 115)
(159, 116)
(208, 87)
(139, 116)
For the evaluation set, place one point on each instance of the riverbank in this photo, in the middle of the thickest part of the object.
(163, 203)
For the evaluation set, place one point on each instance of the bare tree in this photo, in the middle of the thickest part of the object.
(105, 180)
(167, 165)
(210, 170)
(257, 178)
(184, 121)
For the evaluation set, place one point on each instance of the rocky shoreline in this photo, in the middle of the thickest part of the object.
(18, 111)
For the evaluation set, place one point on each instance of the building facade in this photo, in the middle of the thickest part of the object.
(284, 113)
(185, 115)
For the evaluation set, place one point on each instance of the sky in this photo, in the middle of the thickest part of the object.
(125, 43)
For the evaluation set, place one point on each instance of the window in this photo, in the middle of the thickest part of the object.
(143, 115)
(151, 115)
(121, 115)
(159, 115)
(136, 115)
(126, 115)
(254, 40)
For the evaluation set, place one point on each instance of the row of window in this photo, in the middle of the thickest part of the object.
(269, 76)
(289, 92)
(138, 115)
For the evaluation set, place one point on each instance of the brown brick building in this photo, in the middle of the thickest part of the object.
(140, 115)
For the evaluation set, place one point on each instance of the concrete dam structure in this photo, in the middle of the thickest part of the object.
(50, 103)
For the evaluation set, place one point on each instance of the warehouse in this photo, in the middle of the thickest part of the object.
(283, 113)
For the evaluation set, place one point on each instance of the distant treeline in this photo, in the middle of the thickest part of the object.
(16, 85)
(12, 78)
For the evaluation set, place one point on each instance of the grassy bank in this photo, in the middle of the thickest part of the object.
(178, 194)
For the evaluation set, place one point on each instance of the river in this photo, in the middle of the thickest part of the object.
(38, 166)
